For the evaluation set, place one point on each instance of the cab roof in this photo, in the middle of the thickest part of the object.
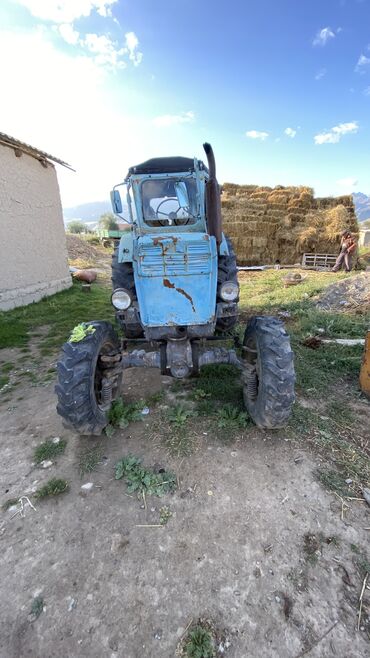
(171, 165)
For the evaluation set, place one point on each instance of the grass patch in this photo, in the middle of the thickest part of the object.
(199, 643)
(142, 480)
(37, 607)
(222, 383)
(178, 441)
(333, 481)
(4, 380)
(49, 450)
(89, 460)
(53, 487)
(9, 503)
(59, 313)
(7, 367)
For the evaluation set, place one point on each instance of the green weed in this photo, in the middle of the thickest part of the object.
(230, 417)
(4, 380)
(9, 503)
(53, 487)
(178, 415)
(164, 515)
(37, 606)
(121, 414)
(199, 644)
(142, 480)
(49, 450)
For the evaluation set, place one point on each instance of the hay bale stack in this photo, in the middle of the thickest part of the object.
(266, 224)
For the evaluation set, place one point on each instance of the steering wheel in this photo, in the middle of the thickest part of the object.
(172, 216)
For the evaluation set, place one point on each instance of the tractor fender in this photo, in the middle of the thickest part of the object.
(126, 248)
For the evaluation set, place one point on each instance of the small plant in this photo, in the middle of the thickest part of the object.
(164, 515)
(80, 332)
(142, 480)
(9, 503)
(200, 394)
(231, 417)
(312, 545)
(89, 460)
(178, 415)
(53, 487)
(154, 398)
(200, 644)
(121, 414)
(49, 450)
(37, 607)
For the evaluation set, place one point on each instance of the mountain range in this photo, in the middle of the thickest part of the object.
(362, 206)
(87, 212)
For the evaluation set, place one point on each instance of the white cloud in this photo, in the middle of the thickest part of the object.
(334, 135)
(105, 51)
(320, 74)
(367, 91)
(167, 120)
(290, 132)
(323, 36)
(257, 134)
(132, 44)
(69, 35)
(347, 184)
(362, 63)
(66, 11)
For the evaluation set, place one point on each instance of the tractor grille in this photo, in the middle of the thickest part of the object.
(161, 260)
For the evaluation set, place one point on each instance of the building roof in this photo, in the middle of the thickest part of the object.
(7, 140)
(172, 165)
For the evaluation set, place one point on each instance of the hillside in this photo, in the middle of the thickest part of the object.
(87, 212)
(362, 206)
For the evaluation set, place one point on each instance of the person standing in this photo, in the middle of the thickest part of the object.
(347, 248)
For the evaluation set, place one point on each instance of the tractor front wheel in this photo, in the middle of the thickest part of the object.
(85, 388)
(268, 377)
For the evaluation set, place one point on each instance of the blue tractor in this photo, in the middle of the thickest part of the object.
(175, 287)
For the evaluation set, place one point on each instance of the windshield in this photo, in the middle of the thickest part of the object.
(169, 201)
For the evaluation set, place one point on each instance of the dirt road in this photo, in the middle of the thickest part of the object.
(254, 543)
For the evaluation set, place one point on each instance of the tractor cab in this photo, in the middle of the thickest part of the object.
(172, 251)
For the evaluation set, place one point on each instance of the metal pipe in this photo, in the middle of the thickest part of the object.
(141, 359)
(213, 198)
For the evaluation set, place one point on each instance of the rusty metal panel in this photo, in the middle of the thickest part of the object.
(176, 279)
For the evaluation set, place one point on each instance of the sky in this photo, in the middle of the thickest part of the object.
(281, 88)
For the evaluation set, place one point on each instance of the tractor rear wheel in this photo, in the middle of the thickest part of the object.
(83, 389)
(227, 271)
(123, 277)
(268, 376)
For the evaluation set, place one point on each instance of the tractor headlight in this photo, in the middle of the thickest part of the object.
(121, 299)
(229, 291)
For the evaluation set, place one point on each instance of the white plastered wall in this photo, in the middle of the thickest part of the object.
(33, 254)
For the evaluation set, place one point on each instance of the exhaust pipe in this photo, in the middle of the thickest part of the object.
(213, 198)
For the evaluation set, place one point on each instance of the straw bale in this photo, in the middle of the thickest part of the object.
(265, 224)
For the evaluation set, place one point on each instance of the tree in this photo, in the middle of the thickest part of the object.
(108, 222)
(76, 226)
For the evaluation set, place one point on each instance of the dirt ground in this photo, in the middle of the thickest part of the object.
(254, 543)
